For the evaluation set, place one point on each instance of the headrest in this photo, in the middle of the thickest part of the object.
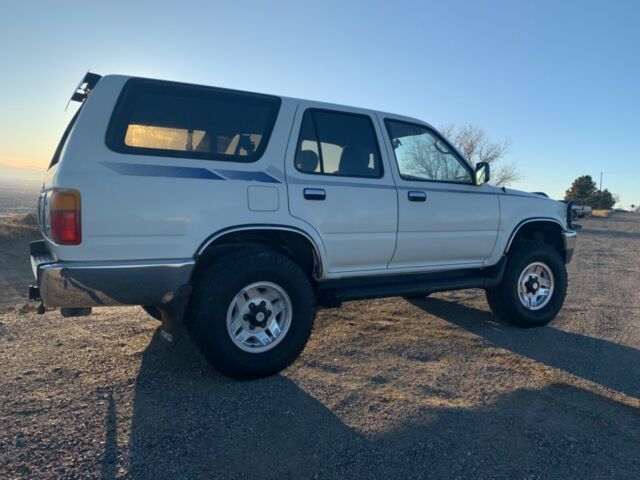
(307, 161)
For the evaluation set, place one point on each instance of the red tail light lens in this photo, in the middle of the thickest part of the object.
(66, 224)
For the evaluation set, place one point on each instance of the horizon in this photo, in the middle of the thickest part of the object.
(558, 81)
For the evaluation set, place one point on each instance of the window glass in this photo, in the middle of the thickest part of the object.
(422, 155)
(166, 138)
(160, 118)
(308, 155)
(335, 143)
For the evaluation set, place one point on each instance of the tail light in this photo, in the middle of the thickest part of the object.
(65, 219)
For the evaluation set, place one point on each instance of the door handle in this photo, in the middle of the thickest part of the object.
(417, 196)
(314, 194)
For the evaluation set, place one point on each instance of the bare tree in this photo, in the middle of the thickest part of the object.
(474, 143)
(428, 159)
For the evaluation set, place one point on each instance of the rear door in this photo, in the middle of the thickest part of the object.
(339, 183)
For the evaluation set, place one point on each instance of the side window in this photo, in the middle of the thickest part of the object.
(161, 118)
(337, 143)
(422, 155)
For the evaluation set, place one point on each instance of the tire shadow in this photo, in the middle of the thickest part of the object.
(190, 422)
(609, 364)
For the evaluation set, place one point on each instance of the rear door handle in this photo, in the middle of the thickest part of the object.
(315, 194)
(417, 196)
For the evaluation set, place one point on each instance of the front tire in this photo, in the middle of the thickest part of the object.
(533, 288)
(251, 313)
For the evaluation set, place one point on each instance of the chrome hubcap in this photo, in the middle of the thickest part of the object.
(259, 317)
(535, 286)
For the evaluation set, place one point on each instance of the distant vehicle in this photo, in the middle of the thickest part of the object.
(239, 213)
(574, 213)
(578, 210)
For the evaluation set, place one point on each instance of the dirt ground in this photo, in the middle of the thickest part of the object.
(435, 388)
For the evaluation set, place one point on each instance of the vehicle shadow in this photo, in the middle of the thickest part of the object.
(109, 463)
(609, 364)
(188, 422)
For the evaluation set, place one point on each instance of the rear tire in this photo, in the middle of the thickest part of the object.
(533, 268)
(232, 336)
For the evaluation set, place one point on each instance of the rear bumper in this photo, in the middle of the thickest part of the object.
(91, 284)
(569, 238)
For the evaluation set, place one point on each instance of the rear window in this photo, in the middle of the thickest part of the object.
(176, 120)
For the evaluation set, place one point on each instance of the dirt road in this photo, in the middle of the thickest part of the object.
(385, 389)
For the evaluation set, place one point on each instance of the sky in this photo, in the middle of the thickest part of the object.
(559, 80)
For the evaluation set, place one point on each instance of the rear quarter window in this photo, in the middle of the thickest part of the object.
(176, 120)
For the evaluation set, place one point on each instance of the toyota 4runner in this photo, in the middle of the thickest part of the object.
(238, 214)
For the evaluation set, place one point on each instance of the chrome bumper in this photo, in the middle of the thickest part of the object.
(91, 284)
(569, 244)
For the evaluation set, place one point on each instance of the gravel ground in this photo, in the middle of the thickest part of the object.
(435, 388)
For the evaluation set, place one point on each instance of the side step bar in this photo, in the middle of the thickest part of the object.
(333, 292)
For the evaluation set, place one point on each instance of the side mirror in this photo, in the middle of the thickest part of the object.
(483, 173)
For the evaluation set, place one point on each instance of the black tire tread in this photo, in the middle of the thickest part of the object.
(503, 300)
(204, 311)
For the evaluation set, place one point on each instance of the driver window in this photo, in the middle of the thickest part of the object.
(422, 155)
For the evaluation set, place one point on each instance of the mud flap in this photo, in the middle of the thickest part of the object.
(172, 313)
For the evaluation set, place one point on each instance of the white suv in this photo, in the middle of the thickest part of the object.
(238, 213)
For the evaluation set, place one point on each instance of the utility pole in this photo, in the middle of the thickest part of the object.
(600, 181)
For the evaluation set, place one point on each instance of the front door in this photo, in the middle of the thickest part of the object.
(445, 219)
(339, 183)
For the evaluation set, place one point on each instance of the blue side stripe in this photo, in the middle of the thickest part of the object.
(256, 176)
(140, 170)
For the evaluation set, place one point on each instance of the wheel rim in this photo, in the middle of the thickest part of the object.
(259, 317)
(535, 286)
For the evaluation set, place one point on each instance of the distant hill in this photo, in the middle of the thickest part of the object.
(18, 195)
(20, 176)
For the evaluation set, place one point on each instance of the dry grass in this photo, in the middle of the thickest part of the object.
(18, 226)
(600, 213)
